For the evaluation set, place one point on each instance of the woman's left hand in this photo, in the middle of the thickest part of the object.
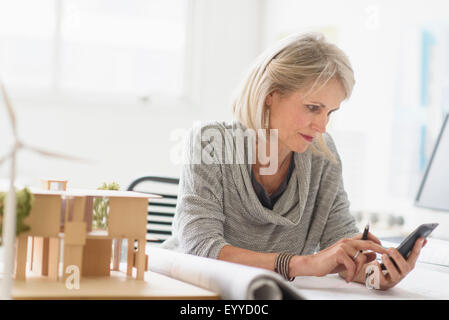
(396, 274)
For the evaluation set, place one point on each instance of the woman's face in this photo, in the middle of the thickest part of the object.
(299, 119)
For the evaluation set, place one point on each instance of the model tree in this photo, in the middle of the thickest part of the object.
(24, 200)
(101, 207)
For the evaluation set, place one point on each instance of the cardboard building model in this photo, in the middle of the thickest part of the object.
(64, 218)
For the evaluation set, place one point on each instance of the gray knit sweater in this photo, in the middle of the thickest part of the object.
(217, 204)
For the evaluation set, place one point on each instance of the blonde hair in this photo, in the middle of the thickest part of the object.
(297, 62)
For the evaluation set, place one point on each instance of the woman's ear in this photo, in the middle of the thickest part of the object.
(269, 99)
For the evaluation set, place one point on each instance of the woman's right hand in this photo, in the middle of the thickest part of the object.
(339, 257)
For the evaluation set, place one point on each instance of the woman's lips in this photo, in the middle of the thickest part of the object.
(308, 138)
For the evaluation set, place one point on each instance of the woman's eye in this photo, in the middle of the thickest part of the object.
(317, 109)
(313, 108)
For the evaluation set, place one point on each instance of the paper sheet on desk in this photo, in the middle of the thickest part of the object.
(420, 284)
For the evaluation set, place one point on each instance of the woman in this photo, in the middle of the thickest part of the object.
(276, 201)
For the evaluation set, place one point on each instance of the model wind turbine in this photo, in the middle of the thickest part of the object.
(9, 219)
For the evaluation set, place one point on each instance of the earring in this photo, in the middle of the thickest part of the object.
(267, 118)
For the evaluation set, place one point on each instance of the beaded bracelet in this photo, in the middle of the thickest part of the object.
(281, 265)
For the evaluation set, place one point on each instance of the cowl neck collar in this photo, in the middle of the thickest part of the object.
(289, 208)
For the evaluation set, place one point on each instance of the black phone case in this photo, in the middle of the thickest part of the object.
(406, 246)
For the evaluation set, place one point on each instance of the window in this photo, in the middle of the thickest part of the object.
(101, 47)
(26, 36)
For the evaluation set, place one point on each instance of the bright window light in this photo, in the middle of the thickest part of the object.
(26, 36)
(123, 47)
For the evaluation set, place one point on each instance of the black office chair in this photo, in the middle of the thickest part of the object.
(160, 211)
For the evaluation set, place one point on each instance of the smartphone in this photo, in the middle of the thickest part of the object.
(406, 246)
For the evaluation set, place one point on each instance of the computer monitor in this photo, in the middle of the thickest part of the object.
(433, 192)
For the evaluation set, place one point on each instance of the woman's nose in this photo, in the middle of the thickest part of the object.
(319, 124)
